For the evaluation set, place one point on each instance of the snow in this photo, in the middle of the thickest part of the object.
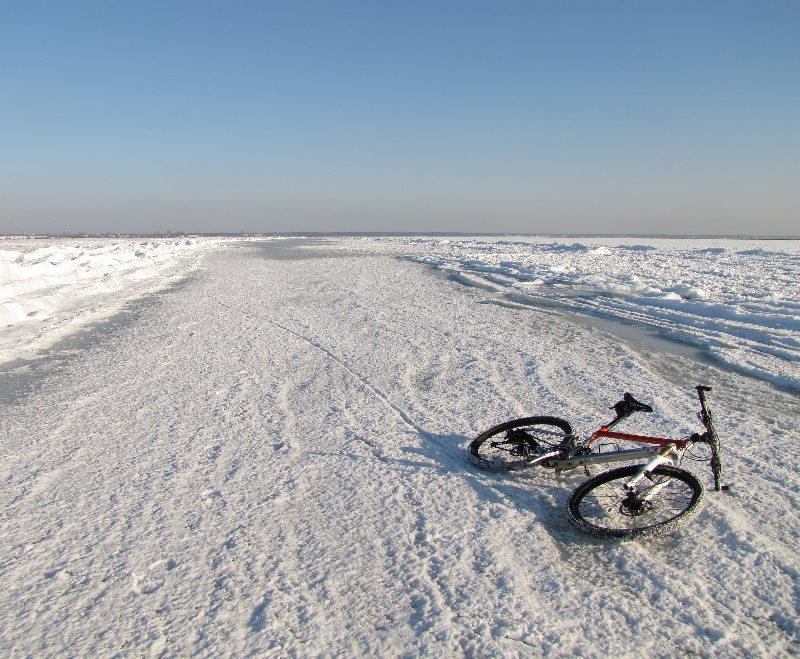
(269, 459)
(740, 300)
(50, 287)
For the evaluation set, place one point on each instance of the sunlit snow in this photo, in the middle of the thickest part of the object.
(738, 299)
(49, 287)
(268, 456)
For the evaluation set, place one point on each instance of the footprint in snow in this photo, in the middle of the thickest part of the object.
(213, 451)
(214, 500)
(154, 578)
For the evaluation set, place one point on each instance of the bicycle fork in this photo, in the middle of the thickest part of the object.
(670, 455)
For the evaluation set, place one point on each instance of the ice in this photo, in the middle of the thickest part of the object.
(738, 299)
(270, 459)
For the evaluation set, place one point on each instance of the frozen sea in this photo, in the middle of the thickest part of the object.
(738, 300)
(237, 448)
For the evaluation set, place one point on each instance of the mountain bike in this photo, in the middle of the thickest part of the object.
(647, 499)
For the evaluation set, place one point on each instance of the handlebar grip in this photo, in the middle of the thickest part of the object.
(703, 387)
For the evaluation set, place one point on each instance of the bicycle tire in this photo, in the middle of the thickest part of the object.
(602, 505)
(541, 433)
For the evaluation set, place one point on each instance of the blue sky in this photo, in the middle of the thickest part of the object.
(598, 116)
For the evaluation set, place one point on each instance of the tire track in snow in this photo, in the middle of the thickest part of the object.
(319, 347)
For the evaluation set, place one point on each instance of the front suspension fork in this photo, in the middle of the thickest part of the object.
(669, 456)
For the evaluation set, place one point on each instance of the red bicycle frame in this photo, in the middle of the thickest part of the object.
(604, 432)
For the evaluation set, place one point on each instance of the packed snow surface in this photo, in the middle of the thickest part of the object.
(270, 458)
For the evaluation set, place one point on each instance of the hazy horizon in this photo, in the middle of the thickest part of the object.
(471, 117)
(268, 235)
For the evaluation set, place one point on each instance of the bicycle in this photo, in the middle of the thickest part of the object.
(647, 499)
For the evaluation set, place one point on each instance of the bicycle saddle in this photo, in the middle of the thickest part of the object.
(628, 405)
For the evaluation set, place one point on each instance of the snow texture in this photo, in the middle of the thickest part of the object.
(50, 287)
(270, 458)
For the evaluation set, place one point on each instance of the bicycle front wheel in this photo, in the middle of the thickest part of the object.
(514, 444)
(607, 505)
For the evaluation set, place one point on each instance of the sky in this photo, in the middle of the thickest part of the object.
(610, 116)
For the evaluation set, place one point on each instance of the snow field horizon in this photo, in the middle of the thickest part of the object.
(271, 459)
(736, 299)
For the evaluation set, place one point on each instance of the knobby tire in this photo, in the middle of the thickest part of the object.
(517, 450)
(601, 506)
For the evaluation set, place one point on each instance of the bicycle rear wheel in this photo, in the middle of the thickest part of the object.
(514, 444)
(658, 504)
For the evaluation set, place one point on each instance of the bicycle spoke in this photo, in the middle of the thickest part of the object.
(607, 504)
(515, 444)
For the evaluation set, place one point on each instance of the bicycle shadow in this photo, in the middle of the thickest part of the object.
(536, 492)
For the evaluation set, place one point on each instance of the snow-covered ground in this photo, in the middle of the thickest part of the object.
(270, 458)
(739, 300)
(49, 287)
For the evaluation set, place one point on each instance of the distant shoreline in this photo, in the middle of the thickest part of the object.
(386, 234)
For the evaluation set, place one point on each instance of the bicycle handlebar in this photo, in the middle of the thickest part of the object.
(701, 390)
(711, 433)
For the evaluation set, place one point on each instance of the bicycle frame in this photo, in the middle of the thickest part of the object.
(663, 450)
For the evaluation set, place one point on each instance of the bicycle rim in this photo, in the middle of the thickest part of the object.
(515, 444)
(657, 505)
